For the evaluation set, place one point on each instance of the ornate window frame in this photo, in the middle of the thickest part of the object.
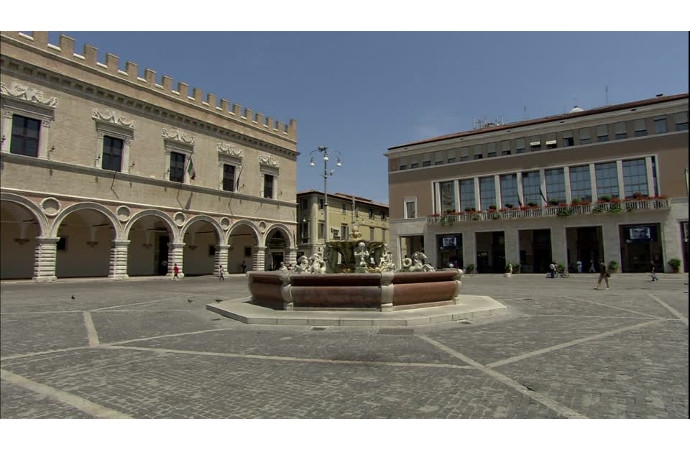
(268, 165)
(176, 141)
(113, 123)
(22, 100)
(231, 156)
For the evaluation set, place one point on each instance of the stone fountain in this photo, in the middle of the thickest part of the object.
(354, 275)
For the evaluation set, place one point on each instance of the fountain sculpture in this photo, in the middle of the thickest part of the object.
(355, 274)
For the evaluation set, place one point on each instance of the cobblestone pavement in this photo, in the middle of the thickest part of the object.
(148, 348)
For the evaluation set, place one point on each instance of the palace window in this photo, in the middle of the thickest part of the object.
(410, 208)
(602, 133)
(635, 177)
(177, 161)
(620, 131)
(531, 186)
(467, 199)
(580, 183)
(509, 193)
(660, 125)
(228, 177)
(555, 184)
(607, 179)
(269, 181)
(681, 120)
(487, 192)
(25, 134)
(519, 146)
(112, 154)
(447, 193)
(26, 120)
(585, 138)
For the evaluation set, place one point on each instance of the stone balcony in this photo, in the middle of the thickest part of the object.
(527, 212)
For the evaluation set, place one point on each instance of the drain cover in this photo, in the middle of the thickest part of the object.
(318, 328)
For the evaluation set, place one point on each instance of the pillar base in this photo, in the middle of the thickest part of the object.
(43, 279)
(118, 277)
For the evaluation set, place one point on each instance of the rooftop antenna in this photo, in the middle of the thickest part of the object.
(606, 91)
(524, 112)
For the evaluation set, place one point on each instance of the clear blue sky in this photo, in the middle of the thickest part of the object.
(362, 92)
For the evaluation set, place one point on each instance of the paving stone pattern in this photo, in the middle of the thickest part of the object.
(148, 348)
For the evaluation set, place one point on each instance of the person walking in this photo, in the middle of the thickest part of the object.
(591, 266)
(654, 277)
(244, 267)
(579, 266)
(221, 276)
(552, 268)
(603, 275)
(176, 272)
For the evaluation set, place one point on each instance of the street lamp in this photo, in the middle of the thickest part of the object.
(326, 175)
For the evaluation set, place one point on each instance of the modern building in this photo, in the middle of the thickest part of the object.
(111, 172)
(349, 218)
(609, 183)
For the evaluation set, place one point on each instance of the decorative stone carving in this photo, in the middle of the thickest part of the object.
(123, 213)
(362, 255)
(176, 135)
(225, 223)
(51, 206)
(28, 94)
(269, 161)
(114, 117)
(416, 264)
(225, 149)
(179, 219)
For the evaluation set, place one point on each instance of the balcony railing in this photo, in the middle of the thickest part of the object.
(529, 212)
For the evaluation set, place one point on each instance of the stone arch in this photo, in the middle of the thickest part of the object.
(85, 206)
(285, 230)
(24, 224)
(244, 237)
(202, 218)
(31, 206)
(279, 246)
(151, 212)
(201, 236)
(87, 247)
(247, 223)
(148, 249)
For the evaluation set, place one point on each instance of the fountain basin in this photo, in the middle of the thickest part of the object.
(385, 291)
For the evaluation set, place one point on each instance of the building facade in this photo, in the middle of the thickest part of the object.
(109, 172)
(609, 184)
(349, 218)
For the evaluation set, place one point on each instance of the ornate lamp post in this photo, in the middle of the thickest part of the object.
(326, 175)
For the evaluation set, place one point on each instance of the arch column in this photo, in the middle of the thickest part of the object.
(176, 256)
(221, 258)
(118, 259)
(259, 258)
(45, 258)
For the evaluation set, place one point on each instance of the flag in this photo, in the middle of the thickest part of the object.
(546, 200)
(190, 169)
